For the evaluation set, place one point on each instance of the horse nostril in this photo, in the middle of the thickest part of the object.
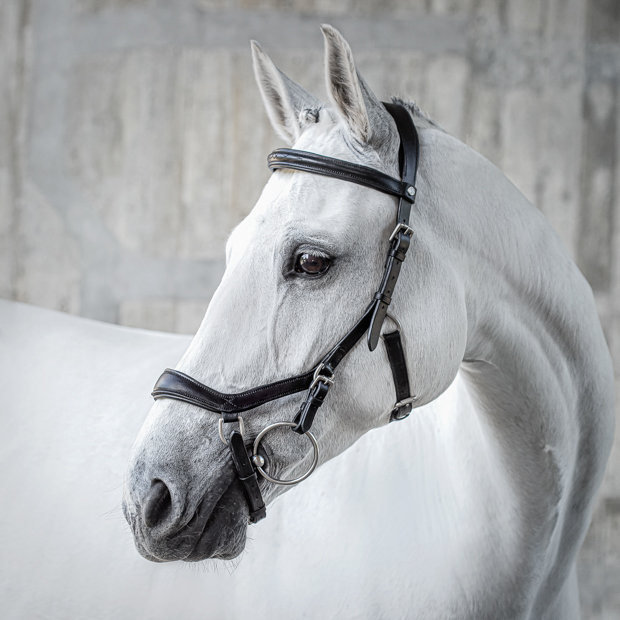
(157, 504)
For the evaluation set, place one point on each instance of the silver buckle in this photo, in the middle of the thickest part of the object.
(405, 401)
(400, 226)
(399, 328)
(319, 377)
(220, 428)
(401, 403)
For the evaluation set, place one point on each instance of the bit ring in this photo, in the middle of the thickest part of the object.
(259, 461)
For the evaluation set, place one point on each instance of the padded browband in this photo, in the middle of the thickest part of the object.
(340, 169)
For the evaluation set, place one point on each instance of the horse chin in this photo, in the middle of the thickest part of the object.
(219, 533)
(228, 545)
(225, 533)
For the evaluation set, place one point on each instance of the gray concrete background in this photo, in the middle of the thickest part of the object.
(132, 139)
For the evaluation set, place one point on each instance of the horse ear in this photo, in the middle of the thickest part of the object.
(284, 99)
(355, 102)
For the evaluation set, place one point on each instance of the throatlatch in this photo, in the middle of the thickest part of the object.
(318, 381)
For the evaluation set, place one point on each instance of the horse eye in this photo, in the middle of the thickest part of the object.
(311, 264)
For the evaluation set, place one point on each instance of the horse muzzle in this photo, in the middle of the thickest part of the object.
(164, 530)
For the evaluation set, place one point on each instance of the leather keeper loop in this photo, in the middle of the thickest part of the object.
(399, 254)
(247, 477)
(403, 241)
(307, 411)
(384, 298)
(258, 515)
(229, 417)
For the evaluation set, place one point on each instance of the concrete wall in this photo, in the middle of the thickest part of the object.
(132, 139)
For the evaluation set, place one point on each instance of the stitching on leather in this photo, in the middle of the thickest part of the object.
(228, 398)
(303, 158)
(239, 394)
(378, 185)
(203, 404)
(321, 158)
(324, 159)
(334, 164)
(321, 164)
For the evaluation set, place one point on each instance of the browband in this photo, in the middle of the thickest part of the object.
(340, 169)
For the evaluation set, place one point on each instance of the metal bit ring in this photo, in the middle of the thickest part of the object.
(259, 461)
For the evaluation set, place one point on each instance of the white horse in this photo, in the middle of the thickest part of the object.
(474, 507)
(500, 488)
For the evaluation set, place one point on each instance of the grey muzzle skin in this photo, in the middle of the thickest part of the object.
(317, 382)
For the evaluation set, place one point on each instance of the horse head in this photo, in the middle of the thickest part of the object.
(300, 270)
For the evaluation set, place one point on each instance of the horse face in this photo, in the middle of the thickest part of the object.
(301, 269)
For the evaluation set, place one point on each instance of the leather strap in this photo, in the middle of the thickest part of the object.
(316, 396)
(247, 476)
(308, 409)
(352, 337)
(341, 169)
(383, 297)
(179, 386)
(398, 365)
(409, 154)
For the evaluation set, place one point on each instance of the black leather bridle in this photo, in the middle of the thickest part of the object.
(179, 386)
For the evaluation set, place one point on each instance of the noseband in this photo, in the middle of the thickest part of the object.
(179, 386)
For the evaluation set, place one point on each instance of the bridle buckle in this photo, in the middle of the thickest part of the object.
(401, 227)
(401, 403)
(220, 428)
(328, 381)
(405, 401)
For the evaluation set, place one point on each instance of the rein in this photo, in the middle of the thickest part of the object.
(318, 381)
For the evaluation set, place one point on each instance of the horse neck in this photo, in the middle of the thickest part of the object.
(536, 362)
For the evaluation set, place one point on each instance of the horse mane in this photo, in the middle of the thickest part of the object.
(418, 114)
